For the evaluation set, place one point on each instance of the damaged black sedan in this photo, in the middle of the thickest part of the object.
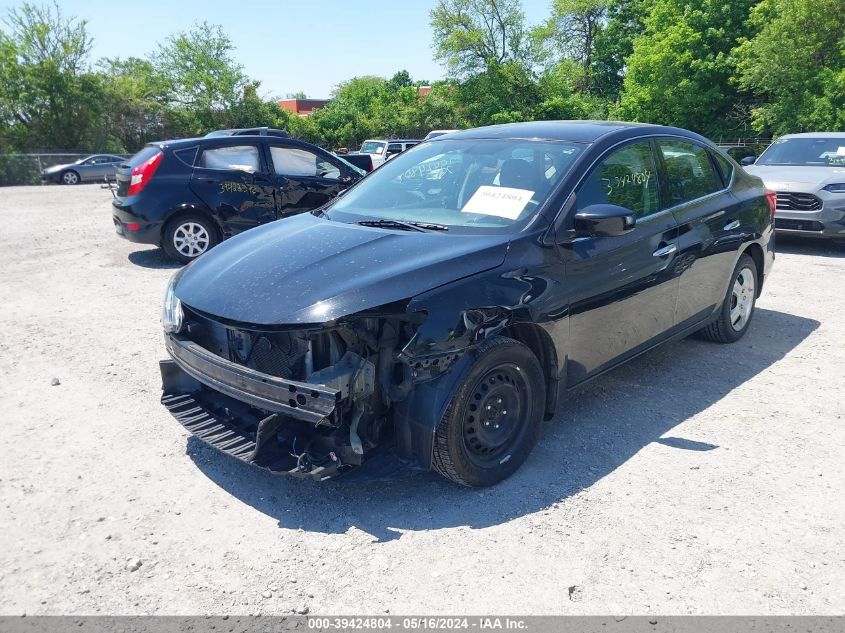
(439, 308)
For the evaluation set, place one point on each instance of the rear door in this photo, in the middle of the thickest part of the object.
(232, 180)
(622, 288)
(709, 226)
(304, 179)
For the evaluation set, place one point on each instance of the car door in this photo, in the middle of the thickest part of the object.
(304, 179)
(709, 226)
(622, 291)
(232, 180)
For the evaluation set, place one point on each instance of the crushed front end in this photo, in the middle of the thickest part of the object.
(310, 401)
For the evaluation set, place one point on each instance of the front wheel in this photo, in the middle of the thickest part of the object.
(187, 237)
(494, 418)
(70, 177)
(738, 305)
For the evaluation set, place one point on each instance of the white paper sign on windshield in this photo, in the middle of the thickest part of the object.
(505, 202)
(840, 151)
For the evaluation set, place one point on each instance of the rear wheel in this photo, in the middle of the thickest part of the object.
(738, 305)
(188, 236)
(494, 419)
(70, 177)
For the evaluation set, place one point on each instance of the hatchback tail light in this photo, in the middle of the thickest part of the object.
(771, 198)
(142, 174)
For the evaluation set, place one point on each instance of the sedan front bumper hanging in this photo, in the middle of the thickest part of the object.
(303, 401)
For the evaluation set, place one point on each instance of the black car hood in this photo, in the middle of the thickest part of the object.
(306, 269)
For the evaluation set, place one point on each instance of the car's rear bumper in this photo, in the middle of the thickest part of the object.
(134, 227)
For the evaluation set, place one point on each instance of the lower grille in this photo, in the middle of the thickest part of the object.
(790, 201)
(799, 225)
(223, 435)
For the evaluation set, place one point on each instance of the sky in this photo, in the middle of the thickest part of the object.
(288, 45)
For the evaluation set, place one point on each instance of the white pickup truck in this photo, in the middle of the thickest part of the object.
(382, 150)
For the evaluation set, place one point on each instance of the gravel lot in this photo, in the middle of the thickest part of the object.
(698, 479)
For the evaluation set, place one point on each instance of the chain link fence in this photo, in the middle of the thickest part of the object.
(25, 169)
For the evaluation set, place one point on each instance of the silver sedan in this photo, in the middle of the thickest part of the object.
(96, 167)
(807, 173)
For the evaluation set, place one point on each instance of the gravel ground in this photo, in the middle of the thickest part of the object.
(698, 479)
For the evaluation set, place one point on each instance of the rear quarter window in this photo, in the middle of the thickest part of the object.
(726, 168)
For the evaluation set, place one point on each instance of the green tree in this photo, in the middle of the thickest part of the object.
(625, 21)
(134, 97)
(571, 33)
(680, 69)
(471, 36)
(204, 82)
(794, 65)
(48, 96)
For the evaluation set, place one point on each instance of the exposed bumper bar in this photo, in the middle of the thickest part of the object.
(300, 400)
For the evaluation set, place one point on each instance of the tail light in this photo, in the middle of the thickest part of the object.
(142, 174)
(771, 198)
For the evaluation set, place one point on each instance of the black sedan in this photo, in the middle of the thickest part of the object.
(190, 194)
(439, 308)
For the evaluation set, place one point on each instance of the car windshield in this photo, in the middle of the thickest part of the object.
(472, 185)
(372, 147)
(811, 152)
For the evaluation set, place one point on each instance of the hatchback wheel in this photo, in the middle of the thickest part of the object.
(188, 237)
(70, 177)
(494, 418)
(738, 305)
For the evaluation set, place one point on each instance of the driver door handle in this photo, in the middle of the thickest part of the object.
(730, 226)
(663, 251)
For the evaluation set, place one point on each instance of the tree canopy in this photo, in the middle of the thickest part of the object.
(724, 69)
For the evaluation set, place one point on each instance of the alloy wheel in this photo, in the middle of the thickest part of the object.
(70, 178)
(742, 299)
(191, 239)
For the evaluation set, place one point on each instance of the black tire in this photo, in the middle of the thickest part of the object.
(70, 177)
(726, 329)
(467, 447)
(186, 237)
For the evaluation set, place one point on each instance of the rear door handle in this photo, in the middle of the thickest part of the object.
(663, 251)
(730, 226)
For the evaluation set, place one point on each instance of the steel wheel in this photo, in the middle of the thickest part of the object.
(742, 299)
(495, 412)
(191, 239)
(70, 178)
(494, 417)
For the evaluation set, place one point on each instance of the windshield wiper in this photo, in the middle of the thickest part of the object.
(404, 225)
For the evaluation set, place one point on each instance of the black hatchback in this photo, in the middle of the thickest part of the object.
(440, 308)
(188, 195)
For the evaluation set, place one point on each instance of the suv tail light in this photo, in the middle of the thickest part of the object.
(142, 174)
(771, 198)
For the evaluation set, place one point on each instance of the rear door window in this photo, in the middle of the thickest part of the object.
(627, 178)
(231, 158)
(296, 162)
(689, 172)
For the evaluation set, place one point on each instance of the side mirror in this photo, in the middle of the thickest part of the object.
(605, 220)
(748, 160)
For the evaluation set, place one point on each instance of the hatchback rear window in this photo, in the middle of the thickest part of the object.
(144, 155)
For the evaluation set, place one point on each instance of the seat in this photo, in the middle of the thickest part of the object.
(518, 174)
